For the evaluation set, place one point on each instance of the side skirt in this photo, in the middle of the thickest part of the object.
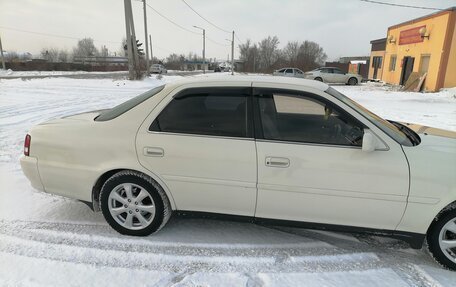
(414, 239)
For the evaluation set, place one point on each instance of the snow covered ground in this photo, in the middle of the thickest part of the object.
(47, 240)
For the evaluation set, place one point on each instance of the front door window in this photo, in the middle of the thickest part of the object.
(301, 118)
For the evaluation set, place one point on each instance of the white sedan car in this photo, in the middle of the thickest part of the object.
(289, 72)
(265, 149)
(333, 75)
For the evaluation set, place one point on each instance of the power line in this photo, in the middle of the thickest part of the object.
(53, 35)
(215, 42)
(171, 21)
(68, 37)
(400, 5)
(163, 49)
(221, 29)
(182, 27)
(235, 35)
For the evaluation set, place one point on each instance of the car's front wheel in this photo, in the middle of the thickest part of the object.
(318, 79)
(134, 204)
(352, 81)
(441, 239)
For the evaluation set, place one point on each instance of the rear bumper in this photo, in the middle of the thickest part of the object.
(29, 167)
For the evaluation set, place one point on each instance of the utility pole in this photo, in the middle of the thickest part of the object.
(204, 48)
(151, 53)
(132, 49)
(1, 51)
(145, 37)
(232, 55)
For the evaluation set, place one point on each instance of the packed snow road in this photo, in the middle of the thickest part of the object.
(47, 240)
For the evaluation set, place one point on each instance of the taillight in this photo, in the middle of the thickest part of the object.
(27, 141)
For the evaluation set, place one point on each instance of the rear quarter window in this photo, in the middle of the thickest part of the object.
(128, 105)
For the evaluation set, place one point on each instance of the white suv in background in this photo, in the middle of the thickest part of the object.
(333, 75)
(158, 69)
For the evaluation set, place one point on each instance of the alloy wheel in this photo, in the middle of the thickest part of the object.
(131, 206)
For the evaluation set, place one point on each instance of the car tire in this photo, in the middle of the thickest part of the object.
(443, 229)
(318, 79)
(352, 81)
(134, 204)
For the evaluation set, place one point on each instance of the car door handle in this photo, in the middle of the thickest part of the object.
(277, 162)
(154, 151)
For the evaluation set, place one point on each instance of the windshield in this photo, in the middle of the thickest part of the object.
(390, 129)
(124, 107)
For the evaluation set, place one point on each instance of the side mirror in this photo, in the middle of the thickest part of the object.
(369, 142)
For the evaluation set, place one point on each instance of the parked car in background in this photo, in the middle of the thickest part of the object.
(333, 75)
(289, 72)
(158, 69)
(267, 149)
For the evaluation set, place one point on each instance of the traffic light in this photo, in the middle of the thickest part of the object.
(140, 51)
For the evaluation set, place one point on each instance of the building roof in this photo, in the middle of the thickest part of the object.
(435, 14)
(377, 41)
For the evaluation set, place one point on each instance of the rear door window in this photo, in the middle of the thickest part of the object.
(214, 112)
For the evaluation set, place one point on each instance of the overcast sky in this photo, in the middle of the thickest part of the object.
(341, 27)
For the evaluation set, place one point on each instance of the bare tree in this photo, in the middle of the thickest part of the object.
(249, 54)
(311, 55)
(63, 56)
(104, 52)
(268, 53)
(267, 56)
(85, 48)
(175, 61)
(123, 47)
(291, 52)
(50, 54)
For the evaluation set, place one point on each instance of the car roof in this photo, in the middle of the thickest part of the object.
(245, 79)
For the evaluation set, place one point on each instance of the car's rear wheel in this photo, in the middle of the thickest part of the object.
(318, 79)
(353, 81)
(441, 239)
(134, 204)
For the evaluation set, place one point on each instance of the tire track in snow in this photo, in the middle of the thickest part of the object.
(34, 240)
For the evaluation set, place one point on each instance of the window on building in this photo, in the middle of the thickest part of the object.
(217, 113)
(424, 63)
(296, 118)
(377, 62)
(392, 66)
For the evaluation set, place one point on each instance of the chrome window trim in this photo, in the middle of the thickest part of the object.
(308, 143)
(262, 140)
(200, 135)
